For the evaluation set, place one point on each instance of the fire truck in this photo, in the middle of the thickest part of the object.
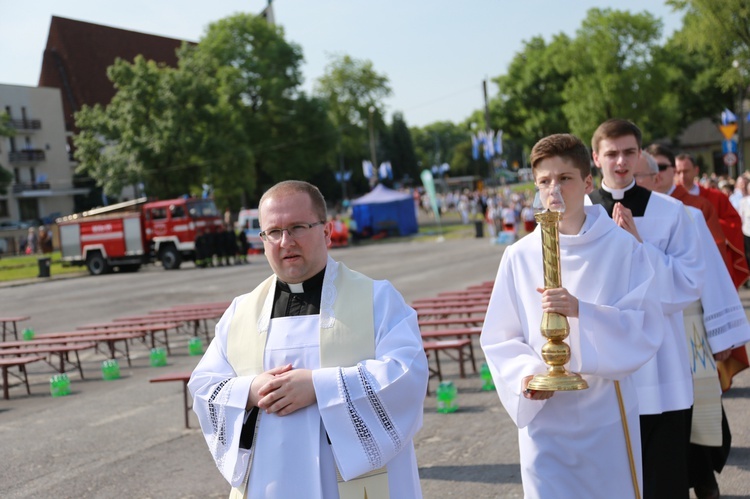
(130, 234)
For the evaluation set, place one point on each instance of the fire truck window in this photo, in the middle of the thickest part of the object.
(159, 213)
(177, 211)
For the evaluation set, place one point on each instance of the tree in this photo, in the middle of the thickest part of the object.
(613, 73)
(529, 103)
(354, 92)
(259, 72)
(720, 30)
(230, 116)
(6, 130)
(401, 151)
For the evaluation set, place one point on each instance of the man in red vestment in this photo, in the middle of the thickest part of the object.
(686, 171)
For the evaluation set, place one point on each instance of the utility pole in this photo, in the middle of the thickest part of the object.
(373, 158)
(487, 124)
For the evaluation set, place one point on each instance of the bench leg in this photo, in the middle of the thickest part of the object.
(6, 396)
(78, 364)
(25, 378)
(437, 363)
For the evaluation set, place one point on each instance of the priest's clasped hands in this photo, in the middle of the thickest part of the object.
(282, 390)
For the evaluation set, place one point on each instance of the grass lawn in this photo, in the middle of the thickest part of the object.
(27, 267)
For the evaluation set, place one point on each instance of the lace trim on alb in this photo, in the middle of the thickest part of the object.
(377, 406)
(366, 439)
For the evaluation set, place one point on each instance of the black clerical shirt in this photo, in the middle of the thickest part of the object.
(635, 199)
(287, 303)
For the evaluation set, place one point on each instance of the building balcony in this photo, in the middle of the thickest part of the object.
(26, 125)
(26, 156)
(30, 186)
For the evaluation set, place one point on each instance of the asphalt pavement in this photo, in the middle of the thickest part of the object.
(126, 437)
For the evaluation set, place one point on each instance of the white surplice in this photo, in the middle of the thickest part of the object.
(291, 456)
(669, 235)
(573, 444)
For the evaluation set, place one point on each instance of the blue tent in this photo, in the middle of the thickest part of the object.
(384, 209)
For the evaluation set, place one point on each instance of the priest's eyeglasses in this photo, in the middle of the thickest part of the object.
(295, 231)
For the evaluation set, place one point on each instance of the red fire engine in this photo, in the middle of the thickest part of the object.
(127, 235)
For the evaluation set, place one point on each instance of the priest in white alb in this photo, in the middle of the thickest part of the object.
(575, 443)
(313, 386)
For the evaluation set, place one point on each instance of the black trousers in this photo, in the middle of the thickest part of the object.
(664, 444)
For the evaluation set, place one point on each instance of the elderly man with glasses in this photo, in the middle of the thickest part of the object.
(308, 389)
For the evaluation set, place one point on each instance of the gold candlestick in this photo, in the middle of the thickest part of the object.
(555, 327)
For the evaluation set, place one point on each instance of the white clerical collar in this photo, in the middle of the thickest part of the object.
(671, 190)
(618, 193)
(296, 288)
(695, 190)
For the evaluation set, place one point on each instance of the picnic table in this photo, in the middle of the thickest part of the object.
(452, 321)
(432, 341)
(195, 306)
(118, 327)
(12, 320)
(61, 349)
(21, 363)
(446, 312)
(196, 317)
(184, 377)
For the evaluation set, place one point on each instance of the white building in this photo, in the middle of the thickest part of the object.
(37, 156)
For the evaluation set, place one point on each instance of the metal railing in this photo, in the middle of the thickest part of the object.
(30, 186)
(26, 124)
(28, 155)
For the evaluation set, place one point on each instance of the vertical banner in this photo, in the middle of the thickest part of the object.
(429, 186)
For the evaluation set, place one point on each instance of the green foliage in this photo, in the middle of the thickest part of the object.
(613, 73)
(529, 103)
(354, 92)
(721, 31)
(401, 149)
(230, 116)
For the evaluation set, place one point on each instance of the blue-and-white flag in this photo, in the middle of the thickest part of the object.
(386, 171)
(367, 169)
(474, 147)
(728, 117)
(499, 142)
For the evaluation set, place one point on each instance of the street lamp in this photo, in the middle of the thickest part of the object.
(372, 141)
(740, 119)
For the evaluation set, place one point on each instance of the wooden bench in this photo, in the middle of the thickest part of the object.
(184, 377)
(447, 346)
(60, 349)
(451, 321)
(460, 333)
(118, 327)
(14, 321)
(21, 362)
(446, 312)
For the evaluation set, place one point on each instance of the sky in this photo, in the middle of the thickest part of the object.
(435, 53)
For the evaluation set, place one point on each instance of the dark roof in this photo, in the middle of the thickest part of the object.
(78, 54)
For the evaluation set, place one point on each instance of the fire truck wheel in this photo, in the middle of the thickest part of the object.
(170, 258)
(96, 264)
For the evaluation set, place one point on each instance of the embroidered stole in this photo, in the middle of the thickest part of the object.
(706, 427)
(346, 338)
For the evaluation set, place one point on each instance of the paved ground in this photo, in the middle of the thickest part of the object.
(125, 438)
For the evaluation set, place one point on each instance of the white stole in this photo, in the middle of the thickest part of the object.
(347, 336)
(706, 427)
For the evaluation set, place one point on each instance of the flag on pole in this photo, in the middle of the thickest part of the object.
(386, 171)
(367, 169)
(499, 142)
(474, 147)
